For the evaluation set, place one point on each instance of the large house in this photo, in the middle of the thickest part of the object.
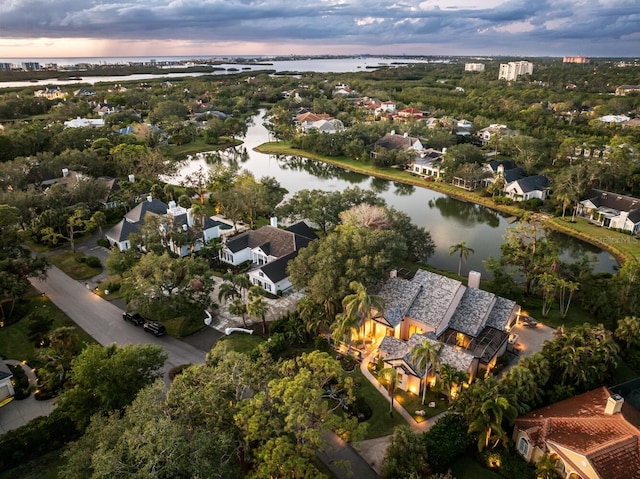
(269, 249)
(527, 188)
(174, 216)
(593, 436)
(392, 141)
(611, 210)
(428, 164)
(472, 324)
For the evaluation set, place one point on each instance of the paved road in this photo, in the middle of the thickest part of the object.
(103, 320)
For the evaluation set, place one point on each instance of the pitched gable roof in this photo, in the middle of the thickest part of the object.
(396, 142)
(122, 230)
(610, 442)
(155, 206)
(277, 270)
(273, 241)
(533, 183)
(615, 201)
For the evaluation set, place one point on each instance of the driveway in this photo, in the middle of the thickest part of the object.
(103, 320)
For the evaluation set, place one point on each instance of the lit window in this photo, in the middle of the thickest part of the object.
(523, 446)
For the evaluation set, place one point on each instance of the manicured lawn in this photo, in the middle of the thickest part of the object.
(68, 262)
(381, 423)
(239, 342)
(465, 467)
(576, 316)
(412, 403)
(13, 338)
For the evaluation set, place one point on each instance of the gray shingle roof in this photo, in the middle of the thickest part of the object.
(122, 230)
(136, 215)
(397, 294)
(500, 313)
(615, 201)
(472, 311)
(434, 299)
(533, 183)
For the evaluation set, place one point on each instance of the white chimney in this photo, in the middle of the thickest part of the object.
(406, 135)
(65, 172)
(393, 132)
(393, 273)
(132, 178)
(474, 280)
(149, 198)
(614, 404)
(185, 227)
(172, 205)
(444, 150)
(273, 221)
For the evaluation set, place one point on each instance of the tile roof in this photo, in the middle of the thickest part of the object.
(472, 311)
(398, 294)
(609, 441)
(501, 312)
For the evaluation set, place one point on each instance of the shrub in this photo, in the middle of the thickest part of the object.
(502, 200)
(446, 440)
(532, 204)
(20, 382)
(103, 242)
(360, 410)
(93, 262)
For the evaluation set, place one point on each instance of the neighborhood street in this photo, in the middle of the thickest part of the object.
(103, 320)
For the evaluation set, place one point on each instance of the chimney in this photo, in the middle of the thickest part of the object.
(393, 273)
(273, 221)
(406, 135)
(132, 178)
(65, 172)
(614, 404)
(474, 280)
(149, 198)
(393, 132)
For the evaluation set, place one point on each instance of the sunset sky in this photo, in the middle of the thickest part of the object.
(71, 28)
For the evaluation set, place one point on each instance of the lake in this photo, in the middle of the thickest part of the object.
(449, 220)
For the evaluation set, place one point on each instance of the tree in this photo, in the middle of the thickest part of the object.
(63, 346)
(548, 467)
(446, 440)
(258, 308)
(628, 331)
(343, 328)
(390, 377)
(488, 424)
(405, 455)
(238, 308)
(450, 376)
(360, 304)
(227, 290)
(426, 355)
(98, 220)
(463, 251)
(107, 378)
(39, 327)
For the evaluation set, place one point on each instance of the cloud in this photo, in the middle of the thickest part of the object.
(551, 27)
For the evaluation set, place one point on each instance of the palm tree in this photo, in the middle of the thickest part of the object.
(359, 304)
(227, 290)
(463, 250)
(390, 376)
(310, 314)
(426, 355)
(451, 376)
(343, 328)
(258, 308)
(628, 331)
(238, 308)
(488, 422)
(548, 467)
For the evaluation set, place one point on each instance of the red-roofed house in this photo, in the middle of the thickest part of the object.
(594, 436)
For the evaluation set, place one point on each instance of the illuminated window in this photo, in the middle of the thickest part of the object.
(523, 446)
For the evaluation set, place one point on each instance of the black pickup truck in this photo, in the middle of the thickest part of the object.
(134, 318)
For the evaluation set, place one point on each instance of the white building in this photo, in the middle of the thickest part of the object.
(474, 67)
(512, 70)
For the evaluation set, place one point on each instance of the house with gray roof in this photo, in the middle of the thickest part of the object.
(611, 210)
(529, 187)
(465, 319)
(269, 250)
(6, 386)
(194, 232)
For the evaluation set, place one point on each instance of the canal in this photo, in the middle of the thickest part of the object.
(448, 219)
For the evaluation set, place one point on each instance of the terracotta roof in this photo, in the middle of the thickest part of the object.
(610, 442)
(311, 117)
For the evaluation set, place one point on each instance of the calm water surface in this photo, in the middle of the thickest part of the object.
(449, 220)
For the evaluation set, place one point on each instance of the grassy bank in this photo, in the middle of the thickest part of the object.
(622, 246)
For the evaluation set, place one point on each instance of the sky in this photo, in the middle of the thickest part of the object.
(90, 28)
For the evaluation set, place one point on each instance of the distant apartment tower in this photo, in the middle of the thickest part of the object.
(512, 70)
(5, 67)
(30, 66)
(576, 60)
(474, 67)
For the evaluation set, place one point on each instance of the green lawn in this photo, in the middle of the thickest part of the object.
(68, 262)
(465, 467)
(13, 338)
(381, 423)
(412, 403)
(576, 316)
(239, 342)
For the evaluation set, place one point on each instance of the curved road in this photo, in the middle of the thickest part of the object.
(103, 320)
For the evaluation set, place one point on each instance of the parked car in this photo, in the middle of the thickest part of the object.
(134, 318)
(154, 328)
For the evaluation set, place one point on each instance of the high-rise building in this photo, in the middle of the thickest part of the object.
(512, 70)
(576, 60)
(30, 66)
(474, 67)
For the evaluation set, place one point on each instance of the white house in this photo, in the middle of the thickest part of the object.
(474, 67)
(527, 188)
(323, 126)
(84, 123)
(269, 250)
(485, 134)
(392, 141)
(428, 164)
(611, 210)
(176, 217)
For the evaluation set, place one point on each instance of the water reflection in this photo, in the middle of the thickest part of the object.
(402, 189)
(465, 213)
(319, 169)
(379, 185)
